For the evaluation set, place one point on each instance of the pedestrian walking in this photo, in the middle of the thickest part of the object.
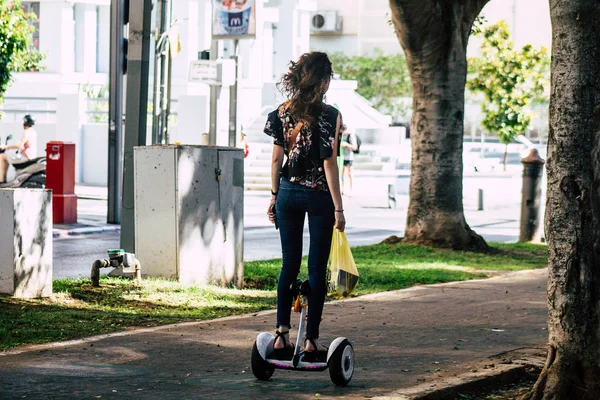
(350, 146)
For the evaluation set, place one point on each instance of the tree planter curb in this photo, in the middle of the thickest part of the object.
(449, 388)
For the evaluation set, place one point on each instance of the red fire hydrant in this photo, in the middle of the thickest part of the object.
(60, 177)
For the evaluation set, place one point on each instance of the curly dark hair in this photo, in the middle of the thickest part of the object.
(305, 85)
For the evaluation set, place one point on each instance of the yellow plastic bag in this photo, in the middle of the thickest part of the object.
(343, 272)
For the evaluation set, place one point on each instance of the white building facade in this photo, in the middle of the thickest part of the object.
(356, 27)
(353, 27)
(75, 35)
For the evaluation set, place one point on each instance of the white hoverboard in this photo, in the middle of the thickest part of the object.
(340, 356)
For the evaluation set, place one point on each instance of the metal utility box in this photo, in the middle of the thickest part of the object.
(189, 205)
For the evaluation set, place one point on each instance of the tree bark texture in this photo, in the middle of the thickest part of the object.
(434, 36)
(573, 205)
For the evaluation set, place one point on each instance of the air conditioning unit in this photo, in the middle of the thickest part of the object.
(326, 22)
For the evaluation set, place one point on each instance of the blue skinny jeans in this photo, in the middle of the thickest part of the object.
(294, 202)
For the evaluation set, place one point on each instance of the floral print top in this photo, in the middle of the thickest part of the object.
(313, 145)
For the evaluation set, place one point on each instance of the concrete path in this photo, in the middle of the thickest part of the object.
(402, 338)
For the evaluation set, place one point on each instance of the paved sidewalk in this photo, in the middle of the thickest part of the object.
(91, 214)
(402, 339)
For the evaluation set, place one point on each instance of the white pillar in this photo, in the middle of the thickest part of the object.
(283, 39)
(267, 48)
(302, 39)
(103, 51)
(205, 23)
(70, 116)
(85, 38)
(223, 117)
(186, 13)
(57, 35)
(292, 37)
(192, 115)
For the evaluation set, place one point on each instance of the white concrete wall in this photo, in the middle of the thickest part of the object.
(103, 58)
(193, 119)
(366, 27)
(187, 14)
(57, 35)
(94, 154)
(292, 36)
(85, 38)
(529, 20)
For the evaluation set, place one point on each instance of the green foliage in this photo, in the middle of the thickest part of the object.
(509, 80)
(16, 38)
(382, 79)
(477, 28)
(97, 104)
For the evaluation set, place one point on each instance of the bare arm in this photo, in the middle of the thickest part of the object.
(351, 144)
(276, 163)
(17, 146)
(332, 174)
(20, 145)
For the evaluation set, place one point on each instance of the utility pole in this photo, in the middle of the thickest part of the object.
(214, 99)
(118, 63)
(162, 72)
(136, 109)
(233, 96)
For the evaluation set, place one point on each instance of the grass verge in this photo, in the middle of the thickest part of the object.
(77, 309)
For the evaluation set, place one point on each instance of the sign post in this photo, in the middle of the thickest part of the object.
(234, 19)
(233, 97)
(213, 72)
(231, 19)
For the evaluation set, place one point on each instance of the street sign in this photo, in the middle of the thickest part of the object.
(234, 19)
(205, 71)
(213, 72)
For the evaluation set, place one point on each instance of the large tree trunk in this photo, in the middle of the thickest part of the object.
(573, 210)
(434, 35)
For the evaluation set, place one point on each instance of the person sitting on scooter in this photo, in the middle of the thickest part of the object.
(27, 147)
(306, 131)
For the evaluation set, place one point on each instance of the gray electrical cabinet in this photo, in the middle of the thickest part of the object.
(189, 205)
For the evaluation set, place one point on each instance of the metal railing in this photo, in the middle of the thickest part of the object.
(43, 109)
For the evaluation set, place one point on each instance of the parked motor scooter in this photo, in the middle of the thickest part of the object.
(28, 173)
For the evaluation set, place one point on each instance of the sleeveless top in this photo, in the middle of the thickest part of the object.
(313, 144)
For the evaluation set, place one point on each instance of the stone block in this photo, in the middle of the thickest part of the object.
(26, 242)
